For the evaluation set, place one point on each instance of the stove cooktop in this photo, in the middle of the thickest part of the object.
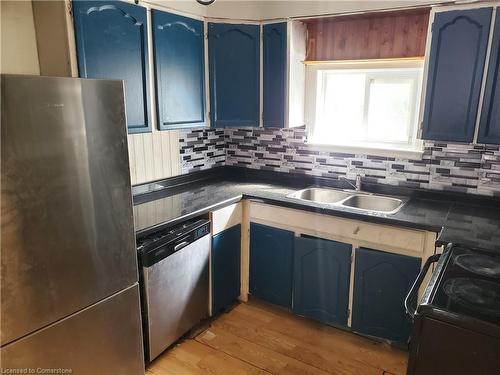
(470, 285)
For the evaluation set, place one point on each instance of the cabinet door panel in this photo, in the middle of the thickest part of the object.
(225, 268)
(234, 65)
(271, 252)
(180, 70)
(111, 40)
(489, 131)
(381, 282)
(456, 65)
(274, 49)
(321, 279)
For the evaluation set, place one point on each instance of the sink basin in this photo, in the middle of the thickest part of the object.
(320, 195)
(374, 203)
(350, 199)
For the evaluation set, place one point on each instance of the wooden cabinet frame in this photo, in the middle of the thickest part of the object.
(398, 240)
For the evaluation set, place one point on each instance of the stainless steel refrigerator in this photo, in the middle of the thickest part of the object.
(69, 279)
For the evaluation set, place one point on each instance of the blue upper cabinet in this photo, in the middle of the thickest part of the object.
(271, 254)
(489, 131)
(234, 66)
(111, 39)
(456, 65)
(381, 282)
(321, 276)
(275, 52)
(180, 70)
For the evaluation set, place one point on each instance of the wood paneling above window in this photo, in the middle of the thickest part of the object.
(382, 35)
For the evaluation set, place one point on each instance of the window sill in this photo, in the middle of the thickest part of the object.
(412, 154)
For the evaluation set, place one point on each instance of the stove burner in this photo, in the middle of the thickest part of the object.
(479, 264)
(478, 295)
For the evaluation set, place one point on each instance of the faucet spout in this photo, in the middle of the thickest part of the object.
(358, 182)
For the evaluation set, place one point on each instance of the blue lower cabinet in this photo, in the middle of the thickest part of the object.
(225, 268)
(271, 254)
(322, 271)
(381, 282)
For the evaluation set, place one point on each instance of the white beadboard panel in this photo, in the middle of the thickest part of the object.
(131, 159)
(175, 153)
(140, 169)
(158, 150)
(165, 145)
(149, 158)
(156, 211)
(153, 156)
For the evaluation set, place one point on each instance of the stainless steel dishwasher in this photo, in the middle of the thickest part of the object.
(175, 283)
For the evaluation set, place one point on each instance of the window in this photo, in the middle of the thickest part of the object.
(364, 105)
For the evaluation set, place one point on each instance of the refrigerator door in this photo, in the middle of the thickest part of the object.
(67, 227)
(102, 339)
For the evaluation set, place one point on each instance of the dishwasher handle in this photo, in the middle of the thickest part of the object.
(181, 244)
(411, 298)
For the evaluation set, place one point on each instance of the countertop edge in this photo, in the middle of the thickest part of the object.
(293, 205)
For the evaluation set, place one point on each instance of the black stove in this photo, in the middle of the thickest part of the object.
(457, 323)
(470, 285)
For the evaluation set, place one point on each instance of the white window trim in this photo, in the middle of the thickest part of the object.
(375, 151)
(413, 152)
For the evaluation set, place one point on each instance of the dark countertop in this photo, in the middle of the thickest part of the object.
(465, 220)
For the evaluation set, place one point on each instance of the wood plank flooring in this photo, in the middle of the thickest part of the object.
(256, 338)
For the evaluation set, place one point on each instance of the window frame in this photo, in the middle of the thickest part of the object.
(373, 68)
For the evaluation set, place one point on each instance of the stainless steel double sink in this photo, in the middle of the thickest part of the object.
(350, 199)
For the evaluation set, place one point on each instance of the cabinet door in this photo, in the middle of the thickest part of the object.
(274, 50)
(456, 65)
(111, 40)
(381, 282)
(180, 70)
(489, 131)
(234, 65)
(271, 252)
(321, 279)
(225, 268)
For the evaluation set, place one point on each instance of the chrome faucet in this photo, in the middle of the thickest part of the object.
(356, 186)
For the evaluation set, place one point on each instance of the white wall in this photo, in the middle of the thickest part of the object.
(18, 48)
(272, 9)
(188, 7)
(52, 38)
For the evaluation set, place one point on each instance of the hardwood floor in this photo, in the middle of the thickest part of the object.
(256, 338)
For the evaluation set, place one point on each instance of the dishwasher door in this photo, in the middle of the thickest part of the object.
(176, 294)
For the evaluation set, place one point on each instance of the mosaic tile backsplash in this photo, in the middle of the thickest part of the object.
(465, 168)
(202, 149)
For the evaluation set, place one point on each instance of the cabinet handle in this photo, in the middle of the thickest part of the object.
(356, 231)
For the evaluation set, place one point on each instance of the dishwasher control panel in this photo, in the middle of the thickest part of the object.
(160, 245)
(200, 232)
